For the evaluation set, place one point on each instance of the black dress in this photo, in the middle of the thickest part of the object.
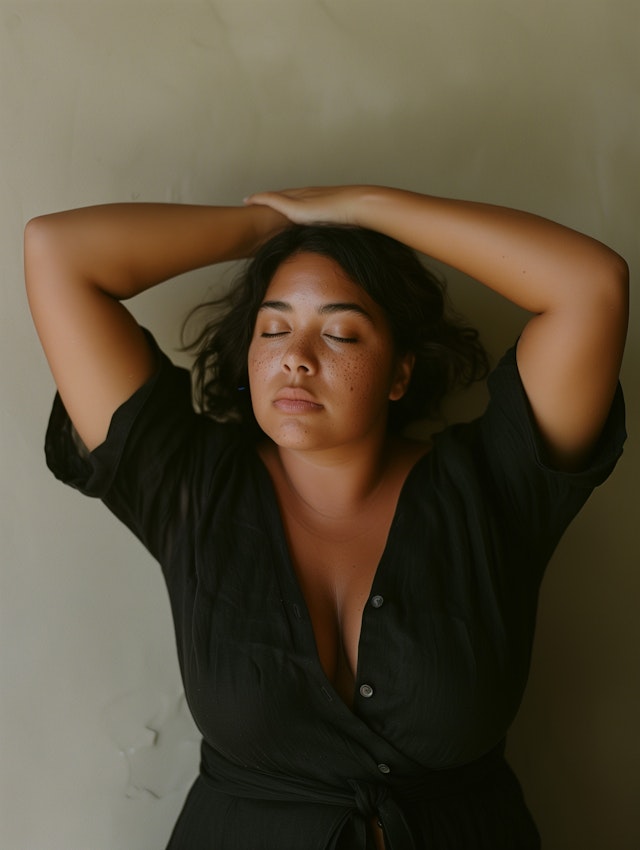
(445, 641)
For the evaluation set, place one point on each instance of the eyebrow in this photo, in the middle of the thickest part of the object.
(325, 309)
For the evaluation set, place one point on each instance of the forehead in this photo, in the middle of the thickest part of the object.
(314, 277)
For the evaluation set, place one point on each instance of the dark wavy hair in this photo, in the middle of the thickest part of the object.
(448, 352)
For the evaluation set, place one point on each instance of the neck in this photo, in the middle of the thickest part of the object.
(333, 485)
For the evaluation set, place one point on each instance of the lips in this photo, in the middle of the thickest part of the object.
(296, 400)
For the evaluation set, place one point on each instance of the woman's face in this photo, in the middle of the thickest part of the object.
(322, 363)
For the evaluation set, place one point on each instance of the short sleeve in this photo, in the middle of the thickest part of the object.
(155, 462)
(534, 494)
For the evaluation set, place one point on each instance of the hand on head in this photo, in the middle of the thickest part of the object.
(313, 205)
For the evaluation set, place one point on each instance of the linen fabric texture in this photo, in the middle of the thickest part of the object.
(446, 634)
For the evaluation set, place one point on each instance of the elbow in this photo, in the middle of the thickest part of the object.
(47, 254)
(38, 247)
(619, 287)
(609, 288)
(36, 230)
(32, 235)
(35, 238)
(599, 297)
(611, 302)
(619, 274)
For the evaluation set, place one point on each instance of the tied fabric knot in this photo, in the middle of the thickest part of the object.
(374, 800)
(369, 797)
(359, 801)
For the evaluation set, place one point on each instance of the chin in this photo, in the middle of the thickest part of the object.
(297, 441)
(296, 436)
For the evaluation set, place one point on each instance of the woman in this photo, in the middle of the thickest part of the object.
(354, 610)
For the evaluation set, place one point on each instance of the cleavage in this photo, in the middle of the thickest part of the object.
(335, 573)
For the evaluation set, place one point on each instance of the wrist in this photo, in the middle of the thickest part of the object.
(371, 205)
(265, 223)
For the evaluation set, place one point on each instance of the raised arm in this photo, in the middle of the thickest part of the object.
(570, 352)
(80, 264)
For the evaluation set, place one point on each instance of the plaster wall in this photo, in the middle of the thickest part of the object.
(529, 103)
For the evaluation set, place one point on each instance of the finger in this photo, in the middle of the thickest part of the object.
(277, 200)
(264, 197)
(299, 194)
(283, 202)
(257, 198)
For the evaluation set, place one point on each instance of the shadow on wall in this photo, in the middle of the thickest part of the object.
(155, 734)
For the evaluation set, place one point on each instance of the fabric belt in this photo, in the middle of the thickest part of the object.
(369, 799)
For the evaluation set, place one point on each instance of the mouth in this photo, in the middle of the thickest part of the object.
(295, 400)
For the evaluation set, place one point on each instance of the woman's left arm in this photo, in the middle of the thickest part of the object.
(570, 352)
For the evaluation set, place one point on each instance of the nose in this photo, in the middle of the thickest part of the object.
(299, 357)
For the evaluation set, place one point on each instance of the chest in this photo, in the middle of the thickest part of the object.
(336, 565)
(445, 650)
(278, 605)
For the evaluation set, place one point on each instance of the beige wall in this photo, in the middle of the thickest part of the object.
(533, 103)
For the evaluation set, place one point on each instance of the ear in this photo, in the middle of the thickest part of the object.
(402, 376)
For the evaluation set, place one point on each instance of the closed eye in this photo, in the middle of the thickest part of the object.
(273, 335)
(349, 339)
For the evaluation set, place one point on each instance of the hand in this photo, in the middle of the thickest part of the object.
(314, 205)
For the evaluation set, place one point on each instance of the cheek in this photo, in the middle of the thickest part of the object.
(257, 376)
(365, 380)
(258, 363)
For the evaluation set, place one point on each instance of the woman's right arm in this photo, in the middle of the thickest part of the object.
(79, 266)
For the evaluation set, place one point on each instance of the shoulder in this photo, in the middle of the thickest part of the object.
(155, 434)
(509, 430)
(499, 461)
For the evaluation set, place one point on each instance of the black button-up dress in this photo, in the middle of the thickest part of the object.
(445, 642)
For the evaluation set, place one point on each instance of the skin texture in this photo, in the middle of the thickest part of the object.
(322, 373)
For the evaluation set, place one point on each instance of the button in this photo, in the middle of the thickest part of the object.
(377, 601)
(366, 691)
(384, 768)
